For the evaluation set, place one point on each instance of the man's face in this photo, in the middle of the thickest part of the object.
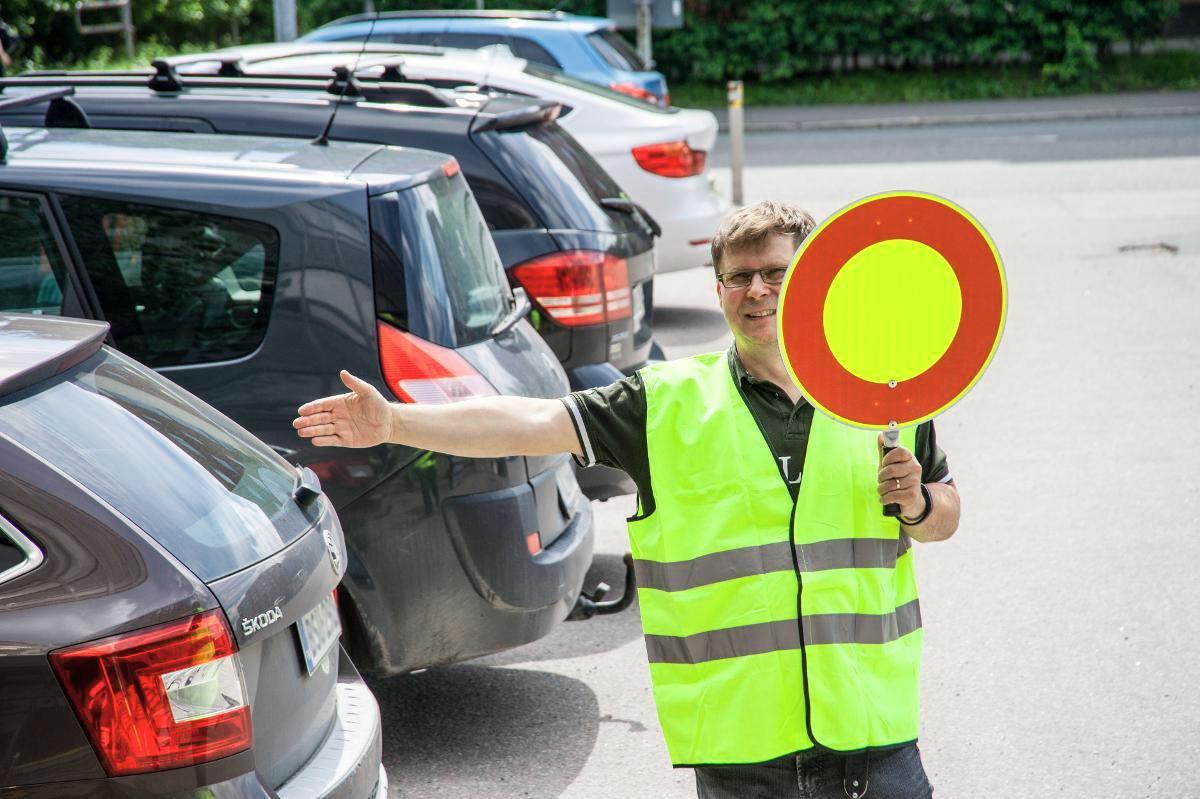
(750, 310)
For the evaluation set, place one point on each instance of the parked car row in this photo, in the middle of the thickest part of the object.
(174, 579)
(656, 154)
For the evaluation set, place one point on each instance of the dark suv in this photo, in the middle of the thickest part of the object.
(564, 230)
(168, 624)
(250, 271)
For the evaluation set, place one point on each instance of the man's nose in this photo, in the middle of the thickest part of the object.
(758, 287)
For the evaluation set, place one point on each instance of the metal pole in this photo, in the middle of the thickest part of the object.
(285, 20)
(127, 22)
(736, 127)
(644, 19)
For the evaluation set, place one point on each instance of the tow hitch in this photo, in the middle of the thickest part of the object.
(588, 605)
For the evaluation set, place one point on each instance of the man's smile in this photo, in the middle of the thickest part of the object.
(761, 314)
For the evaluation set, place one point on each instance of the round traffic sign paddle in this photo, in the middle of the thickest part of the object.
(891, 310)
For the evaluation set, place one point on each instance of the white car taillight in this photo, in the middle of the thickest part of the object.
(673, 159)
(160, 698)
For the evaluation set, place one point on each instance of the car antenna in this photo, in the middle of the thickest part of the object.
(323, 139)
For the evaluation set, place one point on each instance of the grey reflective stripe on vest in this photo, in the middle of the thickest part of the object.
(839, 553)
(775, 636)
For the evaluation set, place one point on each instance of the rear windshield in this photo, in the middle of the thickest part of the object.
(564, 79)
(207, 491)
(558, 178)
(616, 51)
(437, 272)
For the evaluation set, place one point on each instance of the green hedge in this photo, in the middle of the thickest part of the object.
(755, 40)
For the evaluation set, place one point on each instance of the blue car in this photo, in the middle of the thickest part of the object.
(588, 48)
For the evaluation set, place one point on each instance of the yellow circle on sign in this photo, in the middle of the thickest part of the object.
(872, 336)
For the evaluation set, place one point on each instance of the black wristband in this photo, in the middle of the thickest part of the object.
(928, 507)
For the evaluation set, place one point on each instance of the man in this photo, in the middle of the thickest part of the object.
(753, 513)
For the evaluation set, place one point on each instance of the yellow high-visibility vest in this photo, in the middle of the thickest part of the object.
(771, 626)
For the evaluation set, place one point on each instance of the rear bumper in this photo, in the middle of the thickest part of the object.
(693, 216)
(349, 764)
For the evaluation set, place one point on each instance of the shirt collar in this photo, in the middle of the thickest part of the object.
(746, 380)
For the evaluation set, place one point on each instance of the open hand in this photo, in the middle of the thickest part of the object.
(361, 418)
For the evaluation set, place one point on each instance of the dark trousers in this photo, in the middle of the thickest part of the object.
(889, 774)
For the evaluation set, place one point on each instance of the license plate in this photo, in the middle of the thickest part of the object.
(639, 306)
(568, 488)
(319, 630)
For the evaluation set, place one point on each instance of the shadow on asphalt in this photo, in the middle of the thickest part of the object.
(679, 326)
(467, 730)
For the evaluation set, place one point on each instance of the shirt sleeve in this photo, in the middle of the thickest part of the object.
(611, 424)
(934, 466)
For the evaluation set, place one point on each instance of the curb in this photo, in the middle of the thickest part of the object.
(930, 120)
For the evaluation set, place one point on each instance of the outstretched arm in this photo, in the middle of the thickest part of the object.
(478, 428)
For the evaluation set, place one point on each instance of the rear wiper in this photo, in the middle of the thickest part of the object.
(521, 306)
(306, 487)
(634, 210)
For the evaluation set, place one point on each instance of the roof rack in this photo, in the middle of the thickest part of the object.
(165, 79)
(63, 111)
(541, 16)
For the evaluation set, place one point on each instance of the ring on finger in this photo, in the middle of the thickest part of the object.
(897, 483)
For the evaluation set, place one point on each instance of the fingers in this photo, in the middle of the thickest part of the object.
(360, 387)
(310, 419)
(897, 455)
(316, 430)
(316, 406)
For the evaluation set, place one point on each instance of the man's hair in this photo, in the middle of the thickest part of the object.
(749, 228)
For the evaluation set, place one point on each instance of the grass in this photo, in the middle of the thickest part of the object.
(1175, 69)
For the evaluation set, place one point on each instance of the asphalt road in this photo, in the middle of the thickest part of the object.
(1061, 644)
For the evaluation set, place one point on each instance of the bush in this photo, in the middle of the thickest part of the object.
(753, 40)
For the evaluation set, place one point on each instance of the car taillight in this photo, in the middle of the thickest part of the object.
(418, 371)
(633, 90)
(578, 287)
(673, 159)
(160, 698)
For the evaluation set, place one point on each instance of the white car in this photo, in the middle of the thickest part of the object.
(658, 155)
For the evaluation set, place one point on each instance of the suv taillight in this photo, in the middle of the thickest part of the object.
(419, 371)
(160, 698)
(673, 159)
(578, 287)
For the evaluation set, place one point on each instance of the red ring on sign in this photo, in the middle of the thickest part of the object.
(932, 223)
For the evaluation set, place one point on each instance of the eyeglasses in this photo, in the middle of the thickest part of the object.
(772, 276)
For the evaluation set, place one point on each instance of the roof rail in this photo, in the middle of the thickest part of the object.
(66, 112)
(543, 16)
(167, 79)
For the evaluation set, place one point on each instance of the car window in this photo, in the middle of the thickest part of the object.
(617, 52)
(437, 272)
(501, 208)
(17, 553)
(557, 177)
(406, 38)
(596, 89)
(32, 274)
(178, 287)
(530, 50)
(469, 41)
(211, 494)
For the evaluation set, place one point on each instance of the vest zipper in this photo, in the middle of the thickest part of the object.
(792, 542)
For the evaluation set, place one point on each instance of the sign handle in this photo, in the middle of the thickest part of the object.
(891, 440)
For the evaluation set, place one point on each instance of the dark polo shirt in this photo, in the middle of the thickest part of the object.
(611, 425)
